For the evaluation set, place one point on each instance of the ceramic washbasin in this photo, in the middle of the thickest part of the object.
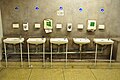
(59, 41)
(81, 40)
(36, 40)
(103, 41)
(13, 40)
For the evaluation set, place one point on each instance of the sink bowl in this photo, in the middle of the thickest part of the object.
(13, 40)
(59, 41)
(81, 40)
(36, 40)
(103, 41)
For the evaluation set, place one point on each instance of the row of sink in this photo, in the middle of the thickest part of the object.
(58, 41)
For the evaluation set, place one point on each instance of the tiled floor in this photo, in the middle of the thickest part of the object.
(75, 71)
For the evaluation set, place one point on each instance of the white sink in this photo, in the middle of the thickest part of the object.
(103, 41)
(81, 40)
(13, 40)
(36, 40)
(59, 41)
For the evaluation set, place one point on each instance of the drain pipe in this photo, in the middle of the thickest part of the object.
(1, 36)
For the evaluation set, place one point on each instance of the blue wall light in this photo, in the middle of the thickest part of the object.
(81, 9)
(102, 10)
(16, 8)
(36, 8)
(60, 8)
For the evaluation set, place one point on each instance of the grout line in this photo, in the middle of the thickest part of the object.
(63, 74)
(30, 74)
(93, 74)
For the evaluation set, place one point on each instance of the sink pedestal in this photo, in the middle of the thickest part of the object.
(36, 41)
(59, 41)
(80, 42)
(13, 41)
(80, 50)
(103, 41)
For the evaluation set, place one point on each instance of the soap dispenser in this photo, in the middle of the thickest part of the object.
(25, 26)
(69, 27)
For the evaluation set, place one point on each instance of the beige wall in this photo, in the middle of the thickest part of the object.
(27, 13)
(48, 8)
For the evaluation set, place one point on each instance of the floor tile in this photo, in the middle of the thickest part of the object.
(46, 74)
(78, 74)
(15, 74)
(107, 74)
(0, 64)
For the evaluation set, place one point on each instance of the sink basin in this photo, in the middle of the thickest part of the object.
(59, 41)
(103, 41)
(13, 40)
(36, 40)
(81, 40)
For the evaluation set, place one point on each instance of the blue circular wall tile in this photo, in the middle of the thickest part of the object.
(36, 8)
(16, 8)
(102, 10)
(61, 8)
(81, 9)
